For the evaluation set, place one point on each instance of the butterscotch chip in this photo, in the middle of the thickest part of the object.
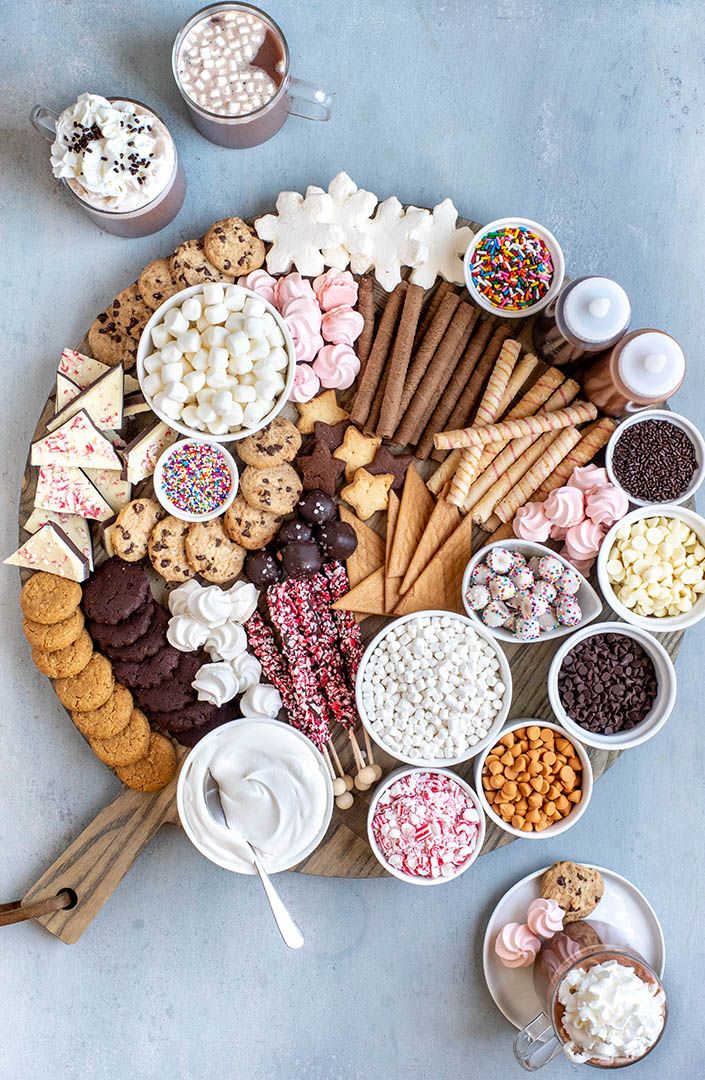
(128, 746)
(133, 527)
(211, 552)
(108, 719)
(54, 636)
(65, 662)
(88, 690)
(48, 598)
(154, 770)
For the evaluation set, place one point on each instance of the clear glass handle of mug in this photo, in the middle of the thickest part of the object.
(44, 121)
(536, 1044)
(308, 100)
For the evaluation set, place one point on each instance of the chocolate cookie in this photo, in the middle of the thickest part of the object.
(125, 632)
(167, 550)
(253, 529)
(276, 444)
(133, 527)
(128, 746)
(189, 265)
(194, 715)
(320, 470)
(578, 889)
(233, 247)
(150, 671)
(211, 552)
(64, 662)
(191, 737)
(156, 283)
(54, 635)
(275, 489)
(176, 692)
(48, 598)
(114, 335)
(153, 639)
(88, 690)
(108, 719)
(115, 591)
(153, 771)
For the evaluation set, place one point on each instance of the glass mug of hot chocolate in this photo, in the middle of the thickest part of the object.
(231, 64)
(118, 160)
(605, 1005)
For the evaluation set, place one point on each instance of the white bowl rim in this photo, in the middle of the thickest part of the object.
(397, 774)
(565, 823)
(628, 739)
(558, 267)
(144, 348)
(500, 719)
(678, 420)
(213, 736)
(184, 515)
(668, 623)
(515, 544)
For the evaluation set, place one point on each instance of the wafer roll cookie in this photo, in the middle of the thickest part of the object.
(502, 532)
(593, 439)
(377, 359)
(444, 473)
(519, 456)
(366, 307)
(443, 288)
(426, 350)
(447, 375)
(397, 367)
(532, 480)
(515, 429)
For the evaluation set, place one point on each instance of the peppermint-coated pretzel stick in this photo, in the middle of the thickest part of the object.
(593, 438)
(432, 307)
(532, 480)
(367, 386)
(431, 342)
(515, 429)
(399, 361)
(366, 307)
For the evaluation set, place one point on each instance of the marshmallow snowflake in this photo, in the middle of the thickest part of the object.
(351, 208)
(386, 242)
(446, 245)
(298, 232)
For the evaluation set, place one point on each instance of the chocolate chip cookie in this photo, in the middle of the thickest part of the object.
(88, 690)
(108, 719)
(167, 550)
(48, 598)
(64, 662)
(156, 284)
(114, 335)
(115, 591)
(128, 746)
(578, 889)
(252, 529)
(54, 636)
(275, 489)
(232, 247)
(153, 771)
(133, 527)
(211, 552)
(189, 265)
(276, 444)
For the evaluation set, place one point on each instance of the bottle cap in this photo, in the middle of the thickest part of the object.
(596, 310)
(652, 365)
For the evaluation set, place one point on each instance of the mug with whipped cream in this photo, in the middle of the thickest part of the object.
(275, 791)
(118, 160)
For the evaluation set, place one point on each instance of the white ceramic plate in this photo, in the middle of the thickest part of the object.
(622, 905)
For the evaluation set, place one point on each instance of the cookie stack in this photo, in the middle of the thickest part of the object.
(270, 487)
(85, 683)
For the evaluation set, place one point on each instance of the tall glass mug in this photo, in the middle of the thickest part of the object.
(562, 969)
(231, 64)
(133, 211)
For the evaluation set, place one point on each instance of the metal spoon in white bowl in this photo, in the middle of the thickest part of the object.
(288, 929)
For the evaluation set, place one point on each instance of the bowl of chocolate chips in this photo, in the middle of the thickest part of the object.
(612, 686)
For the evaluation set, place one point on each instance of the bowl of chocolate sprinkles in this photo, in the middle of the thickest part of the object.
(612, 686)
(656, 456)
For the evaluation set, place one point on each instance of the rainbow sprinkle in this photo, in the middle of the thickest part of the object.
(512, 268)
(196, 478)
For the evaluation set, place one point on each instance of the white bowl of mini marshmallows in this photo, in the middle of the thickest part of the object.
(433, 688)
(216, 360)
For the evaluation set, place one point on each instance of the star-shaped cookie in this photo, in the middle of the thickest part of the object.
(298, 233)
(357, 450)
(325, 408)
(320, 470)
(330, 434)
(367, 494)
(387, 462)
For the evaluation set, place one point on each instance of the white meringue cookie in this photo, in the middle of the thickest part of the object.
(261, 701)
(247, 669)
(178, 598)
(216, 683)
(185, 633)
(210, 605)
(226, 642)
(243, 600)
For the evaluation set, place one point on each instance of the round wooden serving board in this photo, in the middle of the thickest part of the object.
(98, 859)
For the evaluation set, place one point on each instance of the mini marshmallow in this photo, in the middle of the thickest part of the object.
(254, 308)
(153, 363)
(240, 365)
(254, 328)
(213, 293)
(171, 353)
(256, 411)
(259, 348)
(206, 413)
(234, 298)
(160, 336)
(191, 309)
(238, 343)
(244, 394)
(152, 384)
(217, 379)
(223, 402)
(189, 341)
(199, 360)
(216, 313)
(194, 381)
(279, 358)
(175, 322)
(172, 372)
(176, 391)
(214, 335)
(218, 358)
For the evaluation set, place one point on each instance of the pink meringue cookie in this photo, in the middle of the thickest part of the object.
(583, 565)
(565, 506)
(583, 541)
(335, 288)
(544, 917)
(587, 477)
(530, 523)
(260, 282)
(336, 366)
(342, 325)
(306, 383)
(558, 533)
(516, 946)
(606, 505)
(292, 287)
(303, 317)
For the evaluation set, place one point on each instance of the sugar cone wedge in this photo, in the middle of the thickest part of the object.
(367, 597)
(415, 510)
(391, 584)
(443, 521)
(369, 554)
(439, 585)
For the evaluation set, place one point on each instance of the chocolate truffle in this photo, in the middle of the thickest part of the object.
(317, 507)
(338, 539)
(301, 560)
(262, 569)
(293, 532)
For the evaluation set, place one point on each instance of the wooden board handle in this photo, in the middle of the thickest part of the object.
(95, 863)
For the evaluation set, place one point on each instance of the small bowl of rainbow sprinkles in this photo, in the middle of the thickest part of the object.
(514, 267)
(196, 480)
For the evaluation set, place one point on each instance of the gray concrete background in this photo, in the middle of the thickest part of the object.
(589, 118)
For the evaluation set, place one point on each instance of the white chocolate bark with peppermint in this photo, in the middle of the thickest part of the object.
(76, 528)
(102, 400)
(142, 454)
(51, 550)
(78, 444)
(112, 486)
(70, 491)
